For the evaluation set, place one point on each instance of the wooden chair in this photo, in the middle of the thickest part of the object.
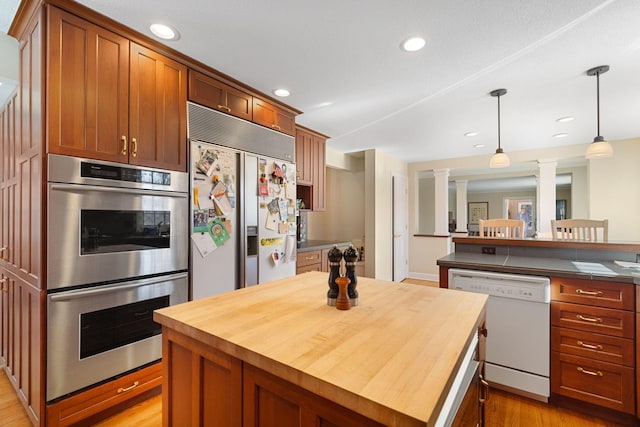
(580, 229)
(505, 228)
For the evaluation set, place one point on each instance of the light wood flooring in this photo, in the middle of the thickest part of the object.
(503, 409)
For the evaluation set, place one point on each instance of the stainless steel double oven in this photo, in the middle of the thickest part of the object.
(117, 249)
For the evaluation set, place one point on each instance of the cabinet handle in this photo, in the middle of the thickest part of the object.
(274, 126)
(590, 293)
(123, 138)
(131, 387)
(134, 147)
(308, 258)
(224, 108)
(485, 387)
(3, 249)
(585, 371)
(590, 346)
(589, 319)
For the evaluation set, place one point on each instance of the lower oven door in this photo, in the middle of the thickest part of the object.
(96, 333)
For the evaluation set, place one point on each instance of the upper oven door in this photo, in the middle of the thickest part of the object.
(98, 234)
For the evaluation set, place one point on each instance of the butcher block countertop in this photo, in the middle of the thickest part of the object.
(392, 358)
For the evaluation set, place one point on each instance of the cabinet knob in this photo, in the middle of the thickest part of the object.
(134, 147)
(124, 145)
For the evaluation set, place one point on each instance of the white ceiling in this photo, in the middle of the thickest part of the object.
(417, 106)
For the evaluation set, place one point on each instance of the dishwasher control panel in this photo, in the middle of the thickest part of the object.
(516, 286)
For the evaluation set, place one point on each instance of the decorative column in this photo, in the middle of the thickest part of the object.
(461, 206)
(442, 202)
(546, 196)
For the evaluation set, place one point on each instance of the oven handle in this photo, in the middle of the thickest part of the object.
(80, 293)
(76, 187)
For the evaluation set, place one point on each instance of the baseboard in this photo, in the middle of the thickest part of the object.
(424, 276)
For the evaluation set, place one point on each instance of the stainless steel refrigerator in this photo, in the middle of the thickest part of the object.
(243, 203)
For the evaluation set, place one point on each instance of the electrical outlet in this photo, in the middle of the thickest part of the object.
(489, 250)
(638, 258)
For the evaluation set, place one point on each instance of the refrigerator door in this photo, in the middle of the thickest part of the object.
(217, 244)
(276, 219)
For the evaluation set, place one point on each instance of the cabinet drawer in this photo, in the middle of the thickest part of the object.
(306, 268)
(593, 292)
(308, 258)
(144, 383)
(593, 346)
(606, 321)
(600, 383)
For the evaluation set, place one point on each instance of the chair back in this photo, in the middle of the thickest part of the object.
(505, 228)
(588, 230)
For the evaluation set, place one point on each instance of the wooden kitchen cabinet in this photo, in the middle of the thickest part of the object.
(214, 94)
(592, 342)
(128, 101)
(268, 401)
(304, 168)
(311, 168)
(273, 117)
(308, 261)
(319, 174)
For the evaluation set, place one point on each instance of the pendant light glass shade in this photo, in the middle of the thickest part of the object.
(499, 159)
(599, 148)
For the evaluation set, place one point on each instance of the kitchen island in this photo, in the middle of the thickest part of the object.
(276, 354)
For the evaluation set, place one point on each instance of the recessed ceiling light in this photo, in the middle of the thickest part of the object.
(565, 119)
(164, 32)
(281, 92)
(478, 146)
(412, 44)
(471, 133)
(560, 135)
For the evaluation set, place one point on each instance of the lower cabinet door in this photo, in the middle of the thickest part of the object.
(269, 401)
(600, 383)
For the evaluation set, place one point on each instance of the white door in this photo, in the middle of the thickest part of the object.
(400, 228)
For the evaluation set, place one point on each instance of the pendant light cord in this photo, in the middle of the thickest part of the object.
(498, 121)
(598, 100)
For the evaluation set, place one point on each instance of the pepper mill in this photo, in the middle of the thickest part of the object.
(350, 256)
(342, 302)
(335, 256)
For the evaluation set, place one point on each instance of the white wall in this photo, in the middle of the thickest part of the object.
(613, 190)
(344, 217)
(379, 169)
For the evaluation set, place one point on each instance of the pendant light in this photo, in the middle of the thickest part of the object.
(499, 159)
(599, 148)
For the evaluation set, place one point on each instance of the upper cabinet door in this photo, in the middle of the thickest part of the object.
(214, 94)
(87, 87)
(304, 167)
(157, 110)
(273, 117)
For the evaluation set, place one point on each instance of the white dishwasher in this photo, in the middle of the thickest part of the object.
(517, 347)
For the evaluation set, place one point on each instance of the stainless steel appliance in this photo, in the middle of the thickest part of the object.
(108, 221)
(517, 355)
(95, 333)
(243, 181)
(116, 250)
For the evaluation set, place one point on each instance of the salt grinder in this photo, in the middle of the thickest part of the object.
(350, 256)
(335, 256)
(342, 302)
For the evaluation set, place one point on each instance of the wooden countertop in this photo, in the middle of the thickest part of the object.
(392, 358)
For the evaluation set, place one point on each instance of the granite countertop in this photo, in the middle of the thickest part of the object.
(314, 245)
(371, 359)
(583, 269)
